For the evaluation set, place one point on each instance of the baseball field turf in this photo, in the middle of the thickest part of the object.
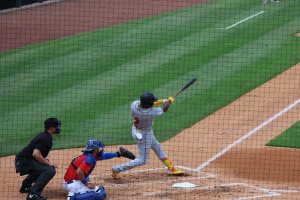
(289, 138)
(89, 80)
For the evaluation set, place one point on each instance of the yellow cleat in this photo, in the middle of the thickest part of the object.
(176, 172)
(115, 174)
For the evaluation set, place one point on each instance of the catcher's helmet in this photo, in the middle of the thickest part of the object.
(147, 99)
(93, 144)
(52, 122)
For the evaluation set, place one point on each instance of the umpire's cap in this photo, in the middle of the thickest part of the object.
(93, 144)
(148, 99)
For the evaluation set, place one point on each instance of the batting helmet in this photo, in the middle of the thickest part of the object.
(52, 122)
(93, 144)
(148, 99)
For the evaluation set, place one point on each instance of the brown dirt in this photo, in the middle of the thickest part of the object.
(55, 20)
(248, 169)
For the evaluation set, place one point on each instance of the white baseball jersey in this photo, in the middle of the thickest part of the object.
(143, 134)
(143, 118)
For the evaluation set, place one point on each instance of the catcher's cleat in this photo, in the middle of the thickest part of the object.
(176, 172)
(115, 174)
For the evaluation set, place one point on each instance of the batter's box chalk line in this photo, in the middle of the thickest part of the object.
(200, 175)
(268, 192)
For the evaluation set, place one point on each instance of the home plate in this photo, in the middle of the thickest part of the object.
(184, 185)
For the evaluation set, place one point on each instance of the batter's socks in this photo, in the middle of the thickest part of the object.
(171, 167)
(169, 164)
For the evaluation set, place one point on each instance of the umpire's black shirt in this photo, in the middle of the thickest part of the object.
(43, 142)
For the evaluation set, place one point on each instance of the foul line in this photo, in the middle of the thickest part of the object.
(239, 22)
(203, 165)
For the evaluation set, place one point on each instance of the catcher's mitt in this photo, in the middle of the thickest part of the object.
(125, 153)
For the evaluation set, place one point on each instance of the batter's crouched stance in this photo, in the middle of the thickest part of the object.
(76, 179)
(32, 161)
(143, 114)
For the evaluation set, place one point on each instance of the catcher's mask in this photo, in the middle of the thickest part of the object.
(147, 99)
(53, 122)
(92, 145)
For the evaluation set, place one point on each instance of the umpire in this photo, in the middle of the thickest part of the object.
(32, 161)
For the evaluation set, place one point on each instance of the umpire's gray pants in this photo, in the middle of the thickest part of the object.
(39, 176)
(145, 144)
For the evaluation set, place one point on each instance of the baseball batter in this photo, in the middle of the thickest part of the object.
(143, 114)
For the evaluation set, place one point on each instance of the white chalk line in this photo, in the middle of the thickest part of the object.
(269, 192)
(207, 174)
(246, 19)
(203, 176)
(265, 123)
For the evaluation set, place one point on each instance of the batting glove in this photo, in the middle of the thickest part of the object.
(171, 99)
(158, 102)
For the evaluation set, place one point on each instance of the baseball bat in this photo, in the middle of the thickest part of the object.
(188, 84)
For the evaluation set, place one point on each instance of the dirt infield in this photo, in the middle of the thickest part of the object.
(51, 21)
(248, 169)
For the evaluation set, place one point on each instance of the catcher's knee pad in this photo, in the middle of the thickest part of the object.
(98, 194)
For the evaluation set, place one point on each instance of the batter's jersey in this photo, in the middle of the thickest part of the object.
(143, 118)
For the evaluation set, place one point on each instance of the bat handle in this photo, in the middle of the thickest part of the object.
(175, 95)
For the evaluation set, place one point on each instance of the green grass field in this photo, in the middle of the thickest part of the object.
(289, 138)
(89, 80)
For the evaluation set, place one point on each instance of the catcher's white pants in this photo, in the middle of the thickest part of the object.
(76, 187)
(145, 141)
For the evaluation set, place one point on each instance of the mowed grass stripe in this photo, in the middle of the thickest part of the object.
(94, 102)
(32, 56)
(211, 77)
(68, 65)
(92, 59)
(88, 92)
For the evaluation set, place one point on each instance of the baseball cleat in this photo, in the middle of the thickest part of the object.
(114, 175)
(24, 189)
(32, 196)
(176, 172)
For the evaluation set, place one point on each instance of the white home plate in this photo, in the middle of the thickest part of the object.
(184, 185)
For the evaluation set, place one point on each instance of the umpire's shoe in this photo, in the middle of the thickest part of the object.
(24, 189)
(33, 196)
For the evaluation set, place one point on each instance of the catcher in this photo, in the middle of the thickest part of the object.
(143, 113)
(76, 179)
